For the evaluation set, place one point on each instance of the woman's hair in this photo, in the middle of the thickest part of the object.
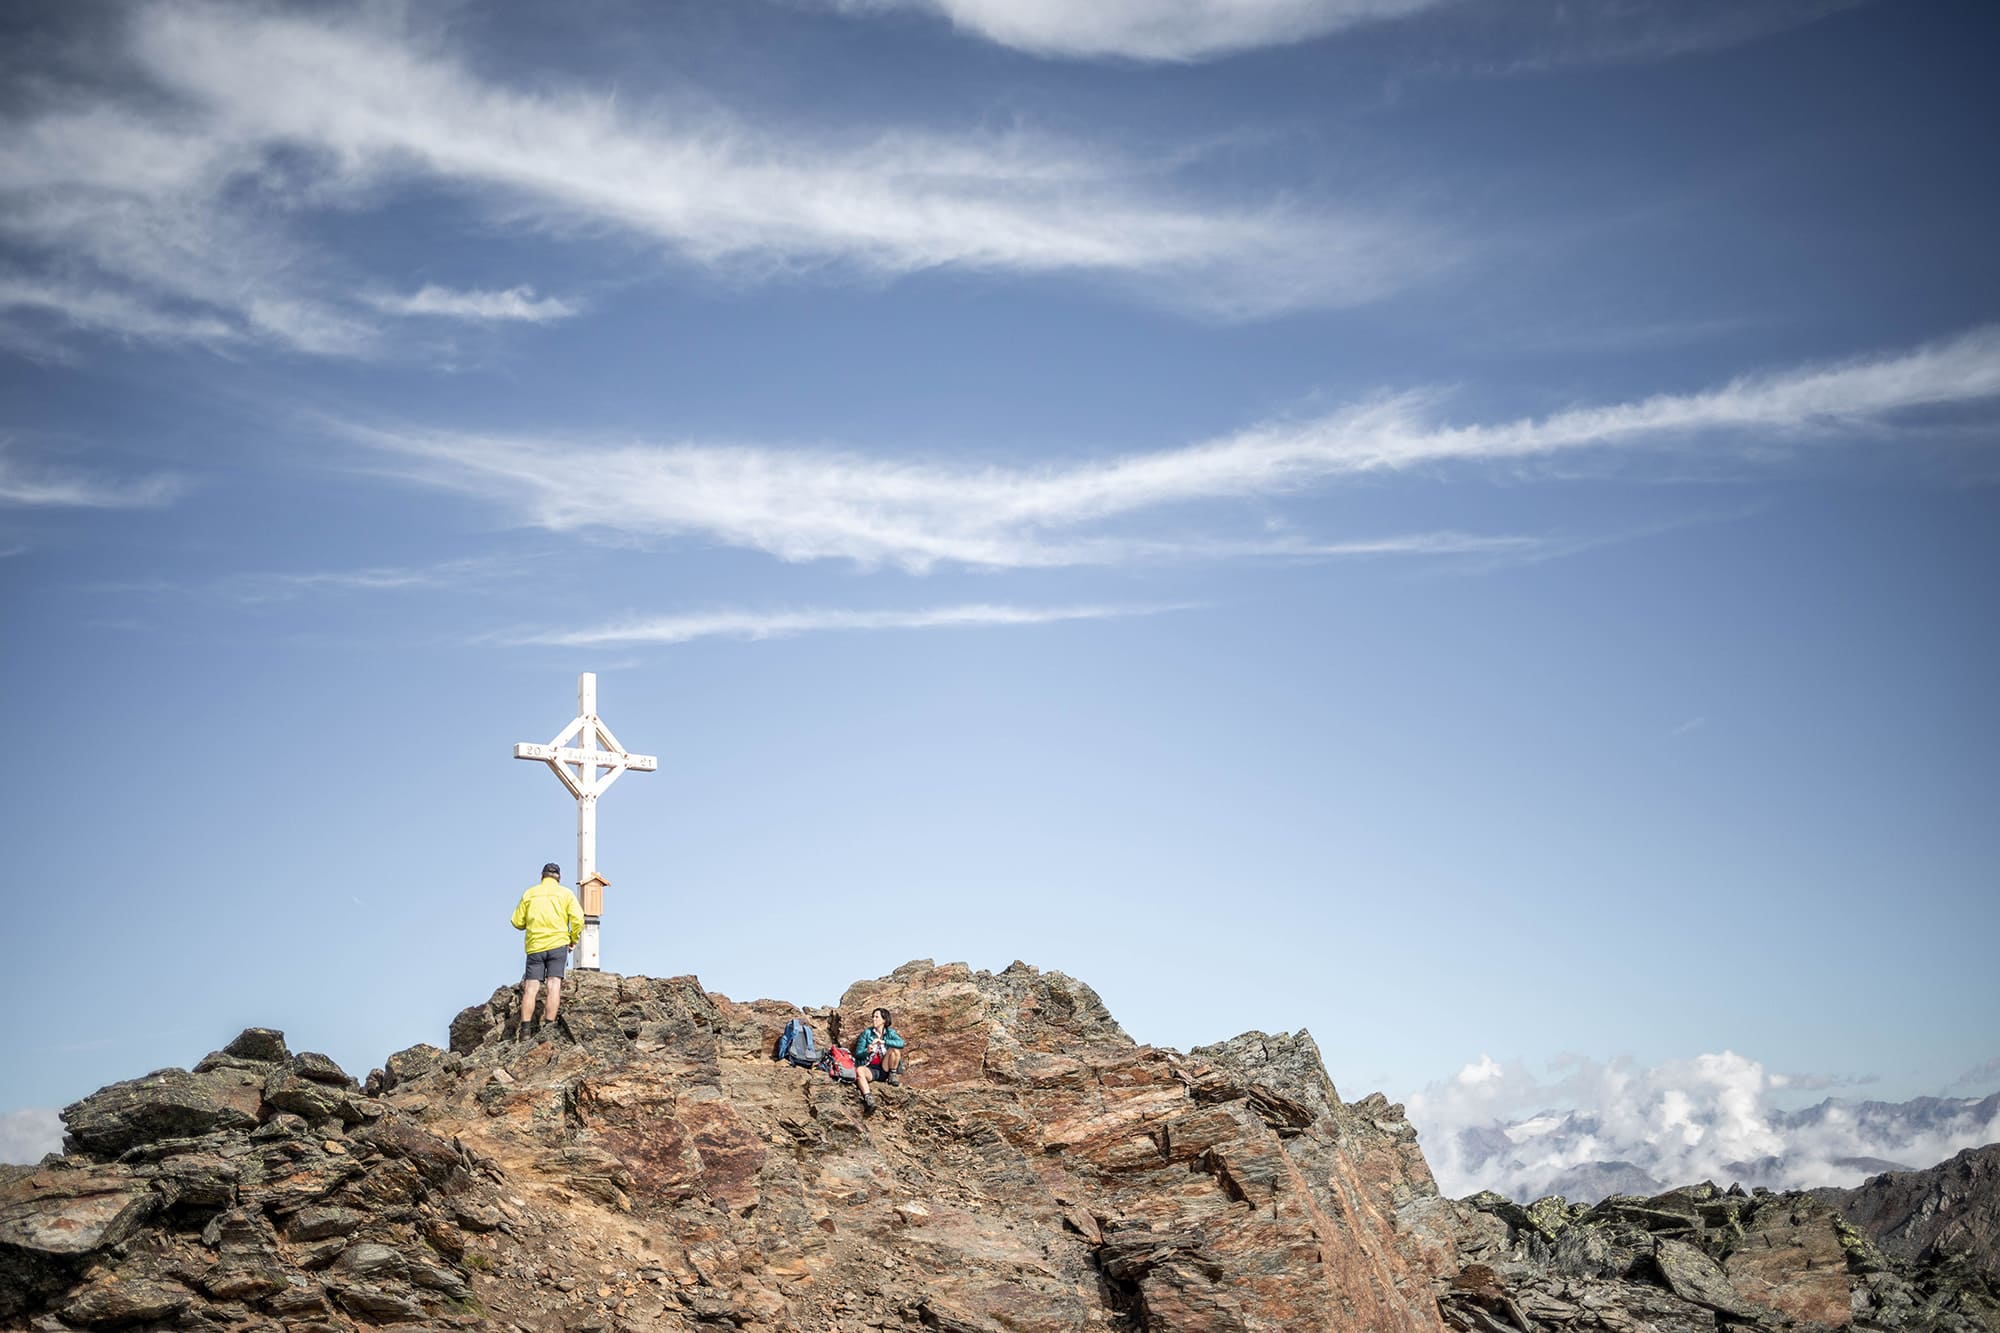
(888, 1019)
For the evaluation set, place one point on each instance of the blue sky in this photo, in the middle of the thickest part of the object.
(1468, 528)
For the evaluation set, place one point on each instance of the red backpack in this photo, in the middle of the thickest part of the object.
(839, 1062)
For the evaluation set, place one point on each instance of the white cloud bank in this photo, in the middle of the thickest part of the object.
(800, 504)
(26, 1136)
(1165, 30)
(686, 628)
(1714, 1117)
(162, 204)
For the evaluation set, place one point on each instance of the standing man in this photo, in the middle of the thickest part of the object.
(553, 920)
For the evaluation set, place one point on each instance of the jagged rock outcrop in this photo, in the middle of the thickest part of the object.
(197, 1199)
(1701, 1258)
(1951, 1209)
(645, 1165)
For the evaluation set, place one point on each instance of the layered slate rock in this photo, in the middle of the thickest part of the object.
(165, 1104)
(53, 1219)
(71, 1209)
(180, 1202)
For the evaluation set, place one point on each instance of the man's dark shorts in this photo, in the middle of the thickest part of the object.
(547, 965)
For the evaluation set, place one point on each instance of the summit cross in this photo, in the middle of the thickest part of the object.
(576, 755)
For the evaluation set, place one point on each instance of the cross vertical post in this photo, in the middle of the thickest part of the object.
(577, 765)
(586, 813)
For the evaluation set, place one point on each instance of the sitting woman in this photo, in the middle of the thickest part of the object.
(878, 1053)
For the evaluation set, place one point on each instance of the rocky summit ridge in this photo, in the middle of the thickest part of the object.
(645, 1165)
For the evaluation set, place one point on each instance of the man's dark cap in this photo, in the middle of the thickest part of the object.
(552, 871)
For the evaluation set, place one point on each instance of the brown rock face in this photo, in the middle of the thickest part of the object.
(646, 1165)
(1790, 1262)
(1230, 1189)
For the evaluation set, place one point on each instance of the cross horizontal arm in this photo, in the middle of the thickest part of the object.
(564, 754)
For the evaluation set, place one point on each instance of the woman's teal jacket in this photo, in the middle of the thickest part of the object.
(891, 1038)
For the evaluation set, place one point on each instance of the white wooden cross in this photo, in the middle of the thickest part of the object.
(577, 765)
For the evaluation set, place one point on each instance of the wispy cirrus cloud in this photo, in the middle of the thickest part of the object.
(168, 200)
(802, 504)
(690, 626)
(29, 484)
(280, 587)
(1163, 30)
(513, 304)
(1530, 37)
(260, 587)
(146, 221)
(100, 309)
(380, 106)
(1522, 36)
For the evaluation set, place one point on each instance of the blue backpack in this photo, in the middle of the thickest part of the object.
(795, 1044)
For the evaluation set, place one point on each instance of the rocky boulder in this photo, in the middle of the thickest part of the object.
(53, 1218)
(410, 1063)
(1789, 1261)
(165, 1104)
(1952, 1208)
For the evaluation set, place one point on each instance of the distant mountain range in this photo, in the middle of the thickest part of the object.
(1834, 1143)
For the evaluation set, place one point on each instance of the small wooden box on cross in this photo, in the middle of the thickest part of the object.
(592, 892)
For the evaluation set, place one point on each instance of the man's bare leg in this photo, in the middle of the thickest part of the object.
(555, 997)
(529, 990)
